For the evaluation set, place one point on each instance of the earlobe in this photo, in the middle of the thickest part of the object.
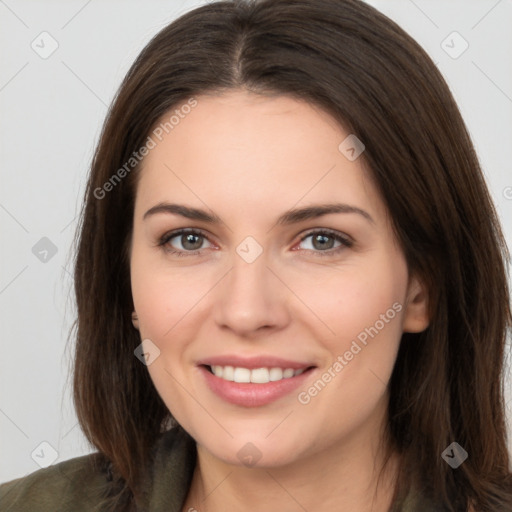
(416, 315)
(135, 320)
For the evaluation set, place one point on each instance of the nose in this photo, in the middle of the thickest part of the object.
(251, 299)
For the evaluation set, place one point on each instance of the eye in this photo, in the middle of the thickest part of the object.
(188, 242)
(323, 242)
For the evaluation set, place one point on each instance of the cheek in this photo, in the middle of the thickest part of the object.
(364, 309)
(361, 311)
(165, 301)
(353, 299)
(163, 297)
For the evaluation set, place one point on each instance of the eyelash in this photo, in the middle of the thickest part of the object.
(344, 240)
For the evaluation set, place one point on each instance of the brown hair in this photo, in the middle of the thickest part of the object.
(360, 67)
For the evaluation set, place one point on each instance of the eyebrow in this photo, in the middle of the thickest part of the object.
(292, 216)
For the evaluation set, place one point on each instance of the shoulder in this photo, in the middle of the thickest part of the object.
(82, 484)
(75, 485)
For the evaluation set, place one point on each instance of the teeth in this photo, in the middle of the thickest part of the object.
(242, 375)
(260, 375)
(275, 374)
(228, 372)
(288, 373)
(256, 376)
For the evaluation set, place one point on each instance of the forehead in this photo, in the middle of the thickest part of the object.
(245, 150)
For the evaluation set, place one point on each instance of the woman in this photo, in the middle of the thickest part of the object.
(290, 279)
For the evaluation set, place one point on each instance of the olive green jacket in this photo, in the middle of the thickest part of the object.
(78, 485)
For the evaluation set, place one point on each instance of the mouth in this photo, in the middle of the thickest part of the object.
(254, 384)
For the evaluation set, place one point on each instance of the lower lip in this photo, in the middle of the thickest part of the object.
(248, 394)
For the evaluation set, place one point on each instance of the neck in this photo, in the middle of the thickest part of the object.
(343, 478)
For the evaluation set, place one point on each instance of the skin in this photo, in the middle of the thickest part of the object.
(248, 159)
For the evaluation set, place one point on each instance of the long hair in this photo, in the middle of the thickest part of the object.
(348, 59)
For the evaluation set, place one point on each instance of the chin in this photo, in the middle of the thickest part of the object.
(256, 453)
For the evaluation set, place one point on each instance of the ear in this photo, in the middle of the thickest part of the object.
(416, 316)
(135, 320)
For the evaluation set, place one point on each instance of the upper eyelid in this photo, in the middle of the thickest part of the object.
(181, 231)
(329, 231)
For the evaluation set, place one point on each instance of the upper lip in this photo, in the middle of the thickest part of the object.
(253, 362)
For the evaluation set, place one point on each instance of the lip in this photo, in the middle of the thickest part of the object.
(248, 394)
(254, 362)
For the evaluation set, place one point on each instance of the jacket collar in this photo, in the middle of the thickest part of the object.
(168, 482)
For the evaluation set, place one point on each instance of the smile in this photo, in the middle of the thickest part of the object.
(255, 381)
(255, 375)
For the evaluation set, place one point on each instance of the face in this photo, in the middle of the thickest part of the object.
(274, 321)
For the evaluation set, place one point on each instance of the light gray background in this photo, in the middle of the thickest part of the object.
(51, 113)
